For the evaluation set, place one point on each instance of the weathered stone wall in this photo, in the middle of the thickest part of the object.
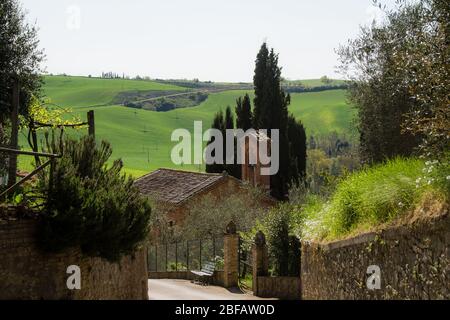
(28, 273)
(414, 263)
(287, 288)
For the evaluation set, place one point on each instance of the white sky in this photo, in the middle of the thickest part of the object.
(205, 39)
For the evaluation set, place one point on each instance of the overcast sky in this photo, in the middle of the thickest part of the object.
(205, 39)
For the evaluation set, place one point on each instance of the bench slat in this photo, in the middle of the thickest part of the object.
(207, 270)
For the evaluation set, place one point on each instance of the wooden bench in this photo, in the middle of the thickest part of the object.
(204, 276)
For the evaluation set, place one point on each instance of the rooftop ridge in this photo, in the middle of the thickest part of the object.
(179, 170)
(176, 186)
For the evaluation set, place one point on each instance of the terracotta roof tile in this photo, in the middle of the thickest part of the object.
(175, 186)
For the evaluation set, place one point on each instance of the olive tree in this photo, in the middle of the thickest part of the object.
(400, 80)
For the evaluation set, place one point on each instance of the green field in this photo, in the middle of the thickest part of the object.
(142, 138)
(88, 92)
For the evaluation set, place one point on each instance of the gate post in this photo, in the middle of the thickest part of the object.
(260, 260)
(230, 256)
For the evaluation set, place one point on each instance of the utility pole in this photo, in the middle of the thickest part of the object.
(12, 172)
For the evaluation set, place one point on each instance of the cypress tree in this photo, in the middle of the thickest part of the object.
(259, 79)
(297, 149)
(271, 112)
(223, 122)
(243, 113)
(229, 119)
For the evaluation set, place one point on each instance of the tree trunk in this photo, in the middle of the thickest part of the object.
(12, 172)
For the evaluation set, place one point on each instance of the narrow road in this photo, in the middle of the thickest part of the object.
(174, 289)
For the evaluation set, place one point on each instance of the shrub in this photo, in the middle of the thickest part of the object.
(376, 195)
(294, 256)
(91, 204)
(210, 215)
(284, 247)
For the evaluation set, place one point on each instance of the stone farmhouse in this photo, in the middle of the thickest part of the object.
(175, 191)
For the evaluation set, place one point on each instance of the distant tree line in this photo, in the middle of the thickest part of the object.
(112, 75)
(301, 89)
(193, 84)
(329, 157)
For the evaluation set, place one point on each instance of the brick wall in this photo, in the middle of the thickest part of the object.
(413, 260)
(28, 273)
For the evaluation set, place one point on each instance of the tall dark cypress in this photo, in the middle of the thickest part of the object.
(229, 125)
(243, 113)
(271, 112)
(259, 83)
(223, 122)
(229, 118)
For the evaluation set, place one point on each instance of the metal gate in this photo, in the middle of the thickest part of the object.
(245, 262)
(185, 255)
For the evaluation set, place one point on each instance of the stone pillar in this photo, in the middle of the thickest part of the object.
(260, 260)
(231, 256)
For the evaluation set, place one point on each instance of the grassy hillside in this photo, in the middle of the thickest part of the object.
(377, 196)
(88, 92)
(322, 112)
(142, 138)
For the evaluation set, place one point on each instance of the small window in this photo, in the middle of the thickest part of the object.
(171, 223)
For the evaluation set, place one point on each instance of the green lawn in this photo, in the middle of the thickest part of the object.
(142, 138)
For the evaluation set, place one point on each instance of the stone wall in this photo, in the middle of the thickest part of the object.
(28, 273)
(287, 288)
(414, 264)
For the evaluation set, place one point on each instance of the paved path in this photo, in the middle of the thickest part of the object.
(168, 289)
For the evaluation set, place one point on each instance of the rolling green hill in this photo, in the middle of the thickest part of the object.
(142, 138)
(323, 112)
(88, 92)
